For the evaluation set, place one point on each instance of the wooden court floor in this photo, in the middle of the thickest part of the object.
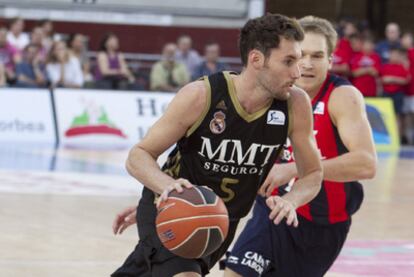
(58, 223)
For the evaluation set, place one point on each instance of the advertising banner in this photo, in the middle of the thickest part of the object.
(383, 122)
(106, 119)
(26, 115)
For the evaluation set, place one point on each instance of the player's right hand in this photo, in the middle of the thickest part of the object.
(176, 185)
(124, 219)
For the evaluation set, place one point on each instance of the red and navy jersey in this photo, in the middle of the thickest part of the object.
(336, 201)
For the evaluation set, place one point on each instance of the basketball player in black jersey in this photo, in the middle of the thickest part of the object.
(347, 150)
(228, 131)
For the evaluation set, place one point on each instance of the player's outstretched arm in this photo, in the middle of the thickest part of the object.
(183, 111)
(307, 162)
(347, 110)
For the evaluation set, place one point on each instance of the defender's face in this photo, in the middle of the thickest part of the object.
(315, 62)
(280, 70)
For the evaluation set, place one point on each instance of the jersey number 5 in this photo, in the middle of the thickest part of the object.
(225, 184)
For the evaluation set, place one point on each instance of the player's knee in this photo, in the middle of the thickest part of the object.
(187, 274)
(230, 273)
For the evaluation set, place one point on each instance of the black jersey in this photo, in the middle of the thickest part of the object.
(228, 149)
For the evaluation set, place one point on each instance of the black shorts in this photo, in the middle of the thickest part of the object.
(151, 258)
(266, 249)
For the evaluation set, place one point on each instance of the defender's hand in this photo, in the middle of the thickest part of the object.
(282, 208)
(279, 175)
(124, 219)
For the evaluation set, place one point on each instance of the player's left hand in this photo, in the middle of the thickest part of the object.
(124, 219)
(282, 208)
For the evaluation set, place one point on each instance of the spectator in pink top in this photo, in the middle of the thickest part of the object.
(8, 56)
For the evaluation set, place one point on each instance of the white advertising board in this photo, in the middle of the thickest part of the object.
(106, 119)
(26, 115)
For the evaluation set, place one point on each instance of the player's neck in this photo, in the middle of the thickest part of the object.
(251, 97)
(312, 93)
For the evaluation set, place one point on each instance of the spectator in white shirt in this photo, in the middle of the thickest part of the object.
(16, 37)
(63, 69)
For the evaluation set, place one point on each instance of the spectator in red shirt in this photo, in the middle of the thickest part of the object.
(343, 52)
(408, 108)
(395, 78)
(392, 34)
(365, 65)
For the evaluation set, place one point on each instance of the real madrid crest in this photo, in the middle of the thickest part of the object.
(217, 124)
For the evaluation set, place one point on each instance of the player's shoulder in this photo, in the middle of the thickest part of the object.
(194, 94)
(196, 89)
(346, 94)
(345, 101)
(298, 98)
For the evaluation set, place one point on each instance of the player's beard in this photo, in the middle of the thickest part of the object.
(272, 85)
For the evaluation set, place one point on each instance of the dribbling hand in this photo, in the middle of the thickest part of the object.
(176, 185)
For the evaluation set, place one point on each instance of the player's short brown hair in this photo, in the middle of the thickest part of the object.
(320, 26)
(264, 33)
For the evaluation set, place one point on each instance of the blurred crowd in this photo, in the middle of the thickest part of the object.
(379, 68)
(42, 58)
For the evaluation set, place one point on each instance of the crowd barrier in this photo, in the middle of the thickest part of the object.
(84, 118)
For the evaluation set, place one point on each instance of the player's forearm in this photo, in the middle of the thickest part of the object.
(305, 189)
(144, 167)
(349, 167)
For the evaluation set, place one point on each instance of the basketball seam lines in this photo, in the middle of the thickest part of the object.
(194, 205)
(202, 196)
(192, 234)
(206, 243)
(190, 218)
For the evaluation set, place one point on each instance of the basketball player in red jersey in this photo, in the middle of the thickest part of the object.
(228, 130)
(344, 139)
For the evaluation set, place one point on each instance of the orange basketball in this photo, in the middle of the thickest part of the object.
(192, 224)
